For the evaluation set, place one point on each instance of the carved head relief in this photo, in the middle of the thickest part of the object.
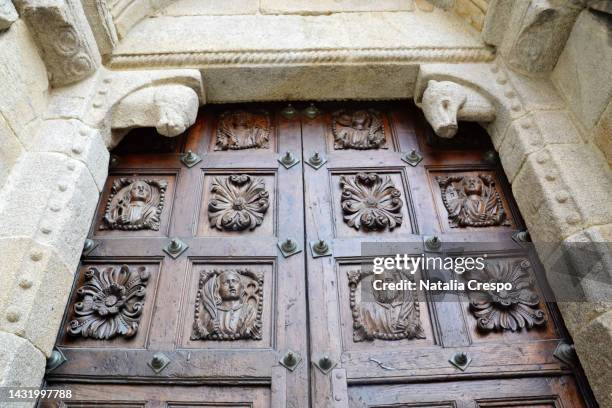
(441, 103)
(383, 314)
(243, 130)
(472, 201)
(371, 202)
(514, 309)
(359, 129)
(238, 202)
(177, 108)
(229, 305)
(135, 204)
(110, 302)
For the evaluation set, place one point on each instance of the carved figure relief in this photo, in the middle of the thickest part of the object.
(243, 130)
(110, 302)
(371, 202)
(135, 204)
(512, 309)
(388, 314)
(229, 305)
(359, 129)
(472, 201)
(238, 202)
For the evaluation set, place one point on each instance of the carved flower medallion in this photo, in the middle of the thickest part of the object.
(360, 129)
(512, 309)
(371, 202)
(238, 202)
(110, 302)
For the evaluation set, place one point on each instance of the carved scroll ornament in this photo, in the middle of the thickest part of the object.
(371, 202)
(359, 129)
(472, 201)
(514, 309)
(238, 202)
(229, 305)
(110, 302)
(135, 204)
(243, 130)
(389, 314)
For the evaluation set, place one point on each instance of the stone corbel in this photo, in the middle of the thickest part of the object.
(444, 103)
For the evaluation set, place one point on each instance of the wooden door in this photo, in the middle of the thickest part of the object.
(213, 322)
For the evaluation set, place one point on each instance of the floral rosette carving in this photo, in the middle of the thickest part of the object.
(514, 309)
(371, 202)
(110, 303)
(238, 202)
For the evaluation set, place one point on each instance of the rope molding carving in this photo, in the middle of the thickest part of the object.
(285, 57)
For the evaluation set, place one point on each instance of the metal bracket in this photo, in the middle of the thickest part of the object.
(89, 246)
(159, 362)
(289, 112)
(56, 359)
(113, 161)
(190, 159)
(460, 360)
(316, 161)
(175, 248)
(522, 238)
(290, 360)
(311, 111)
(324, 363)
(413, 158)
(320, 248)
(289, 247)
(432, 243)
(490, 157)
(566, 353)
(288, 160)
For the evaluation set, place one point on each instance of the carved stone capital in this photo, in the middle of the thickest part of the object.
(171, 109)
(64, 37)
(446, 102)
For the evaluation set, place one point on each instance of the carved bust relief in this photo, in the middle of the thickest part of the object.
(370, 202)
(110, 302)
(472, 201)
(238, 202)
(359, 129)
(240, 130)
(388, 314)
(228, 305)
(514, 309)
(135, 204)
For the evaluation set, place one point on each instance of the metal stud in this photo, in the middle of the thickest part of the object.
(324, 363)
(566, 353)
(316, 161)
(289, 112)
(175, 248)
(89, 246)
(311, 111)
(460, 360)
(432, 243)
(56, 359)
(159, 362)
(288, 160)
(522, 237)
(413, 158)
(290, 360)
(289, 247)
(320, 248)
(190, 159)
(114, 161)
(490, 157)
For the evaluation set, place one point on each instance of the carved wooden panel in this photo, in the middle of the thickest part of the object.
(135, 205)
(111, 304)
(370, 203)
(359, 129)
(229, 305)
(241, 129)
(470, 200)
(237, 204)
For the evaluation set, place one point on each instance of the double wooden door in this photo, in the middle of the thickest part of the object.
(230, 267)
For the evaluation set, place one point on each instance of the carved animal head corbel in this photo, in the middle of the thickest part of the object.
(446, 102)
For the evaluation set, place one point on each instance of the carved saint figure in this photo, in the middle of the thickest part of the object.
(472, 201)
(243, 130)
(359, 129)
(389, 314)
(135, 204)
(228, 305)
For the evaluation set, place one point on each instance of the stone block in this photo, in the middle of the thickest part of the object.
(209, 7)
(496, 21)
(307, 7)
(101, 22)
(21, 364)
(470, 11)
(582, 73)
(50, 198)
(36, 284)
(8, 14)
(602, 133)
(10, 150)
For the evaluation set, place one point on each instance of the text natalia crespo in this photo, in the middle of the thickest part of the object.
(449, 286)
